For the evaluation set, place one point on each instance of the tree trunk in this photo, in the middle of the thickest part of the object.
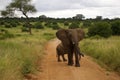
(28, 23)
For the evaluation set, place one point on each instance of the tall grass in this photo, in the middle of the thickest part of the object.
(19, 55)
(106, 51)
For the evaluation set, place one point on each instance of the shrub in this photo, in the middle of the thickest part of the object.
(5, 34)
(86, 24)
(100, 28)
(13, 24)
(47, 24)
(25, 29)
(54, 23)
(66, 23)
(74, 25)
(39, 25)
(7, 25)
(55, 27)
(115, 27)
(2, 22)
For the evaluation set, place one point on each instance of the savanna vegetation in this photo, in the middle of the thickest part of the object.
(20, 52)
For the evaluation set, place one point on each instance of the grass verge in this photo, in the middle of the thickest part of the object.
(106, 51)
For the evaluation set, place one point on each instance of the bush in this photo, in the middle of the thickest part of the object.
(13, 24)
(115, 27)
(4, 34)
(86, 24)
(39, 25)
(47, 24)
(66, 23)
(2, 22)
(7, 25)
(25, 29)
(102, 29)
(55, 26)
(54, 23)
(74, 25)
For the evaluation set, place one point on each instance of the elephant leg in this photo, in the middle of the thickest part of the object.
(77, 64)
(64, 58)
(59, 58)
(70, 61)
(72, 57)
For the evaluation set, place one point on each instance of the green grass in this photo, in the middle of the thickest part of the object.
(20, 55)
(106, 51)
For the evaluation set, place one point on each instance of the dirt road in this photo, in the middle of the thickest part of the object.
(53, 70)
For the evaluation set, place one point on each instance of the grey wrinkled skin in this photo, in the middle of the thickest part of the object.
(60, 52)
(70, 40)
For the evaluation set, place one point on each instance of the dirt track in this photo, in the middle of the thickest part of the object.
(53, 70)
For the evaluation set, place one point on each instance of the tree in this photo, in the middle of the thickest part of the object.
(42, 16)
(23, 6)
(98, 18)
(102, 29)
(115, 27)
(74, 25)
(79, 16)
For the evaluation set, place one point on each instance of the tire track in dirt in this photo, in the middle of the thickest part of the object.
(53, 70)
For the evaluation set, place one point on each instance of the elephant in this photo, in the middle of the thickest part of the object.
(70, 39)
(60, 52)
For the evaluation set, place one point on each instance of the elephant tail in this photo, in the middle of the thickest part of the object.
(81, 54)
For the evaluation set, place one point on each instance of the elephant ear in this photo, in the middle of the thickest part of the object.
(62, 35)
(81, 34)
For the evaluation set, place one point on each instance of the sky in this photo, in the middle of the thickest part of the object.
(69, 8)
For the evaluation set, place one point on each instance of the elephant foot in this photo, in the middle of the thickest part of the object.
(59, 61)
(77, 65)
(65, 60)
(70, 64)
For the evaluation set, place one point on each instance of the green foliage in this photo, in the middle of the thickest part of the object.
(47, 24)
(39, 25)
(25, 29)
(86, 24)
(13, 24)
(66, 23)
(115, 27)
(2, 22)
(26, 67)
(4, 34)
(53, 25)
(7, 25)
(74, 25)
(100, 28)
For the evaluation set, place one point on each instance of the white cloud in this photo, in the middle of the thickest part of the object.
(69, 8)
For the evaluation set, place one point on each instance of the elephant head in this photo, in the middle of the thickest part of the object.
(70, 39)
